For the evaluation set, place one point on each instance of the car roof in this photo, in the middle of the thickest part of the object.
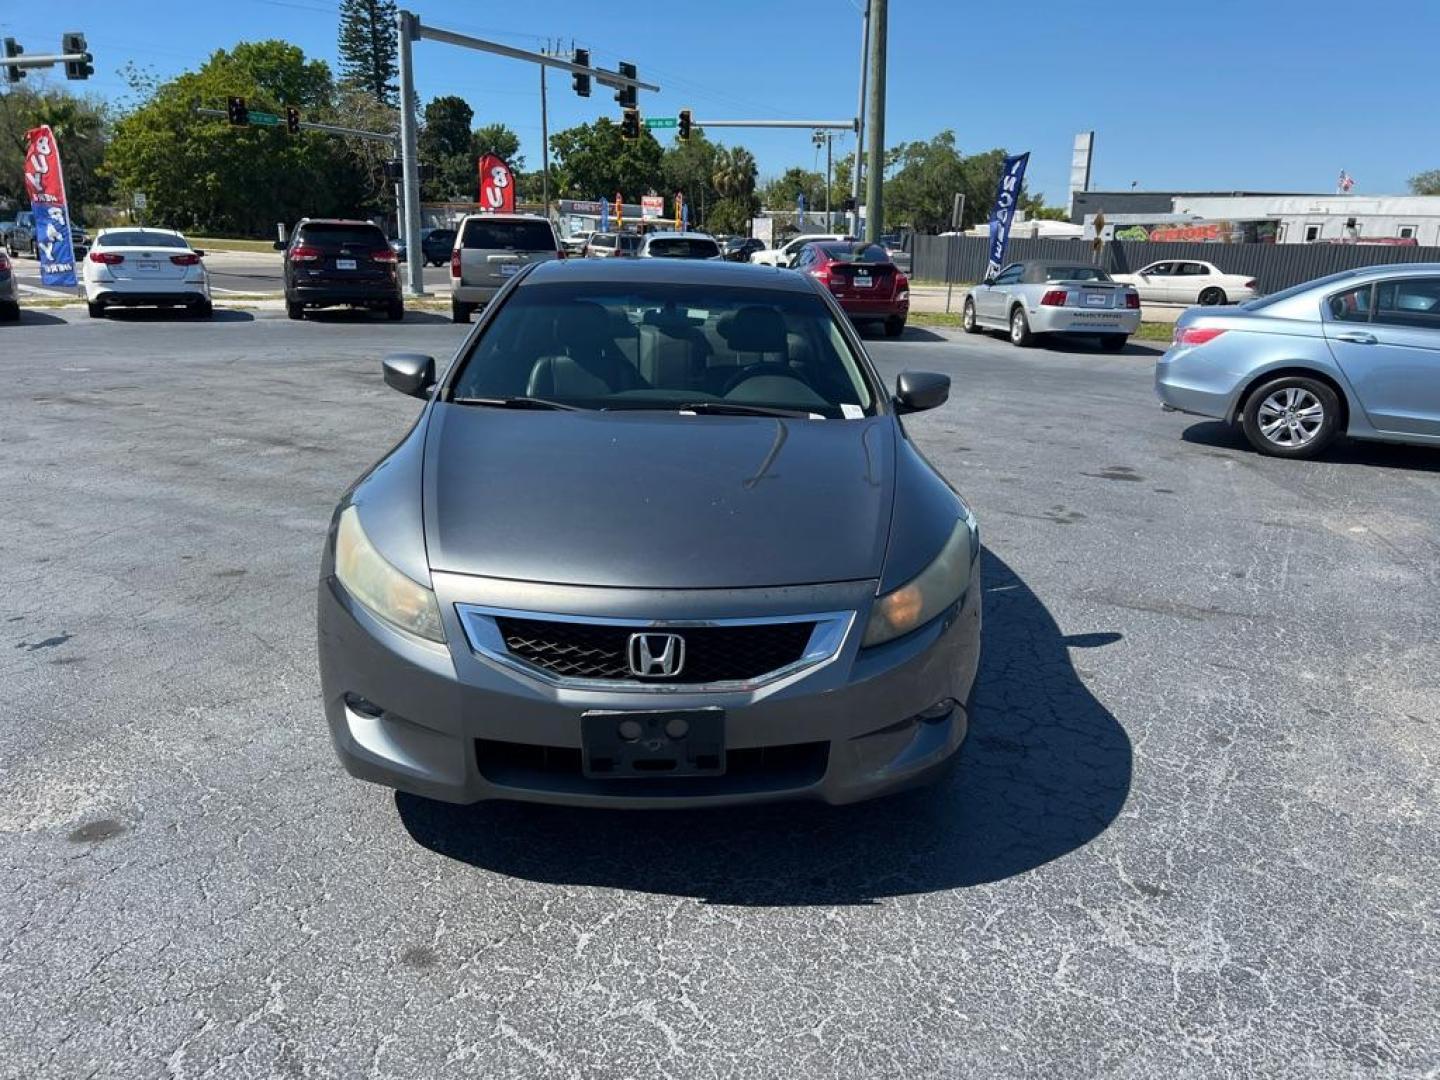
(666, 272)
(506, 217)
(672, 235)
(137, 228)
(333, 221)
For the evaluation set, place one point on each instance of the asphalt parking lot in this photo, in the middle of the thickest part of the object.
(1193, 832)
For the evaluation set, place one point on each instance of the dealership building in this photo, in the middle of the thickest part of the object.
(1264, 217)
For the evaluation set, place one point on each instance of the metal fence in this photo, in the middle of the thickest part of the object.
(1274, 266)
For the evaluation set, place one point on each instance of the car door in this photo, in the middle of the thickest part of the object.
(1188, 280)
(1387, 342)
(1153, 282)
(994, 300)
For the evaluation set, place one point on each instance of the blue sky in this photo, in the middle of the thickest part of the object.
(1268, 95)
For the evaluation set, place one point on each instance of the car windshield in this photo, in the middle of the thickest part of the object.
(858, 253)
(509, 235)
(441, 236)
(342, 235)
(1075, 273)
(630, 243)
(136, 238)
(682, 247)
(664, 346)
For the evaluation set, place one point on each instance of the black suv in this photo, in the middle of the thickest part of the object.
(331, 262)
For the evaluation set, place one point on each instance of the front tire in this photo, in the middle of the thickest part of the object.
(294, 311)
(967, 318)
(1212, 296)
(1291, 417)
(1020, 329)
(1113, 342)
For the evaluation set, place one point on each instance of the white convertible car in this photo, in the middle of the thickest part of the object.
(1190, 281)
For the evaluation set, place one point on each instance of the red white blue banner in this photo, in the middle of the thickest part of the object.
(1007, 201)
(45, 184)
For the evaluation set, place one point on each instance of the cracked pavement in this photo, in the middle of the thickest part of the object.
(1193, 831)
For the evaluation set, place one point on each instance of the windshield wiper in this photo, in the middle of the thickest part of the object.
(736, 408)
(515, 403)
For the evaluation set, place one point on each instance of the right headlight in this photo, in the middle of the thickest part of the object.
(379, 586)
(929, 592)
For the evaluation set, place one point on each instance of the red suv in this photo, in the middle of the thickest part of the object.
(862, 278)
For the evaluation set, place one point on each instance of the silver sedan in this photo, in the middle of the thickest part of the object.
(1356, 353)
(1053, 297)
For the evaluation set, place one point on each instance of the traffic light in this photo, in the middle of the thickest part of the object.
(580, 83)
(239, 114)
(13, 50)
(684, 125)
(73, 44)
(630, 125)
(292, 119)
(626, 95)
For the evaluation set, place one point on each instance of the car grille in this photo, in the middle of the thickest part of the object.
(713, 654)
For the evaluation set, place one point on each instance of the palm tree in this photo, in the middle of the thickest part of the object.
(734, 173)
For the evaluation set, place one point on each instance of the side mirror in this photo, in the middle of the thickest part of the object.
(198, 253)
(410, 373)
(988, 281)
(280, 245)
(916, 391)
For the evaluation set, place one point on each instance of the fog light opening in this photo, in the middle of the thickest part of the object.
(941, 710)
(363, 707)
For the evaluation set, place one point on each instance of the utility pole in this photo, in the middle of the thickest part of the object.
(860, 120)
(829, 143)
(544, 141)
(874, 210)
(409, 153)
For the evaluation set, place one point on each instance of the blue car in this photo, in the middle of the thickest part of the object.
(1356, 353)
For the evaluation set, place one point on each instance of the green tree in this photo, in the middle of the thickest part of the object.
(82, 129)
(689, 167)
(734, 178)
(1426, 183)
(592, 161)
(203, 173)
(1036, 210)
(368, 49)
(780, 193)
(499, 140)
(445, 144)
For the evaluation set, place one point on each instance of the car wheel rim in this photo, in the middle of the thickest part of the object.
(1291, 417)
(1017, 327)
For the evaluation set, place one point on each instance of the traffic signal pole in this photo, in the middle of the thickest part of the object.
(411, 29)
(874, 182)
(860, 122)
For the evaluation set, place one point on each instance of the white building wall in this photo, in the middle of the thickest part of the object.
(1375, 215)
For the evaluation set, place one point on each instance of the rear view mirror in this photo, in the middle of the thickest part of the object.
(916, 391)
(410, 373)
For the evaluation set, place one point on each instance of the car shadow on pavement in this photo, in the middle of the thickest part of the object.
(1223, 436)
(31, 317)
(359, 315)
(1045, 770)
(154, 315)
(1083, 343)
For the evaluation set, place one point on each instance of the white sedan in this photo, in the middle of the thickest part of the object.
(1189, 281)
(781, 256)
(151, 267)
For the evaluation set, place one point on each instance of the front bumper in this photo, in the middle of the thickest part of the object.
(450, 724)
(1063, 320)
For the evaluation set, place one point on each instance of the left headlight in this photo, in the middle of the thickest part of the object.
(929, 592)
(379, 586)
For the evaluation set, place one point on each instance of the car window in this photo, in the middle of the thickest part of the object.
(141, 239)
(663, 345)
(492, 235)
(1158, 269)
(629, 242)
(1075, 273)
(602, 241)
(1193, 269)
(1413, 302)
(1352, 305)
(1010, 275)
(320, 233)
(682, 247)
(852, 252)
(441, 236)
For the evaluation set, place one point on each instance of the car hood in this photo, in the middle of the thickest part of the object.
(656, 500)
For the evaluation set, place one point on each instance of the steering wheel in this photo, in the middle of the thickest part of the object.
(751, 371)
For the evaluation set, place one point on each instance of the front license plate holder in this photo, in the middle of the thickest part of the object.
(625, 745)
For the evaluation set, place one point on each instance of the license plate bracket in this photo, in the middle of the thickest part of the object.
(617, 745)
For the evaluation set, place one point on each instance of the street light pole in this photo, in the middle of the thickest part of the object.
(860, 120)
(544, 143)
(874, 210)
(409, 154)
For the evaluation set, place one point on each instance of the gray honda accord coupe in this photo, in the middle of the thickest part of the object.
(658, 538)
